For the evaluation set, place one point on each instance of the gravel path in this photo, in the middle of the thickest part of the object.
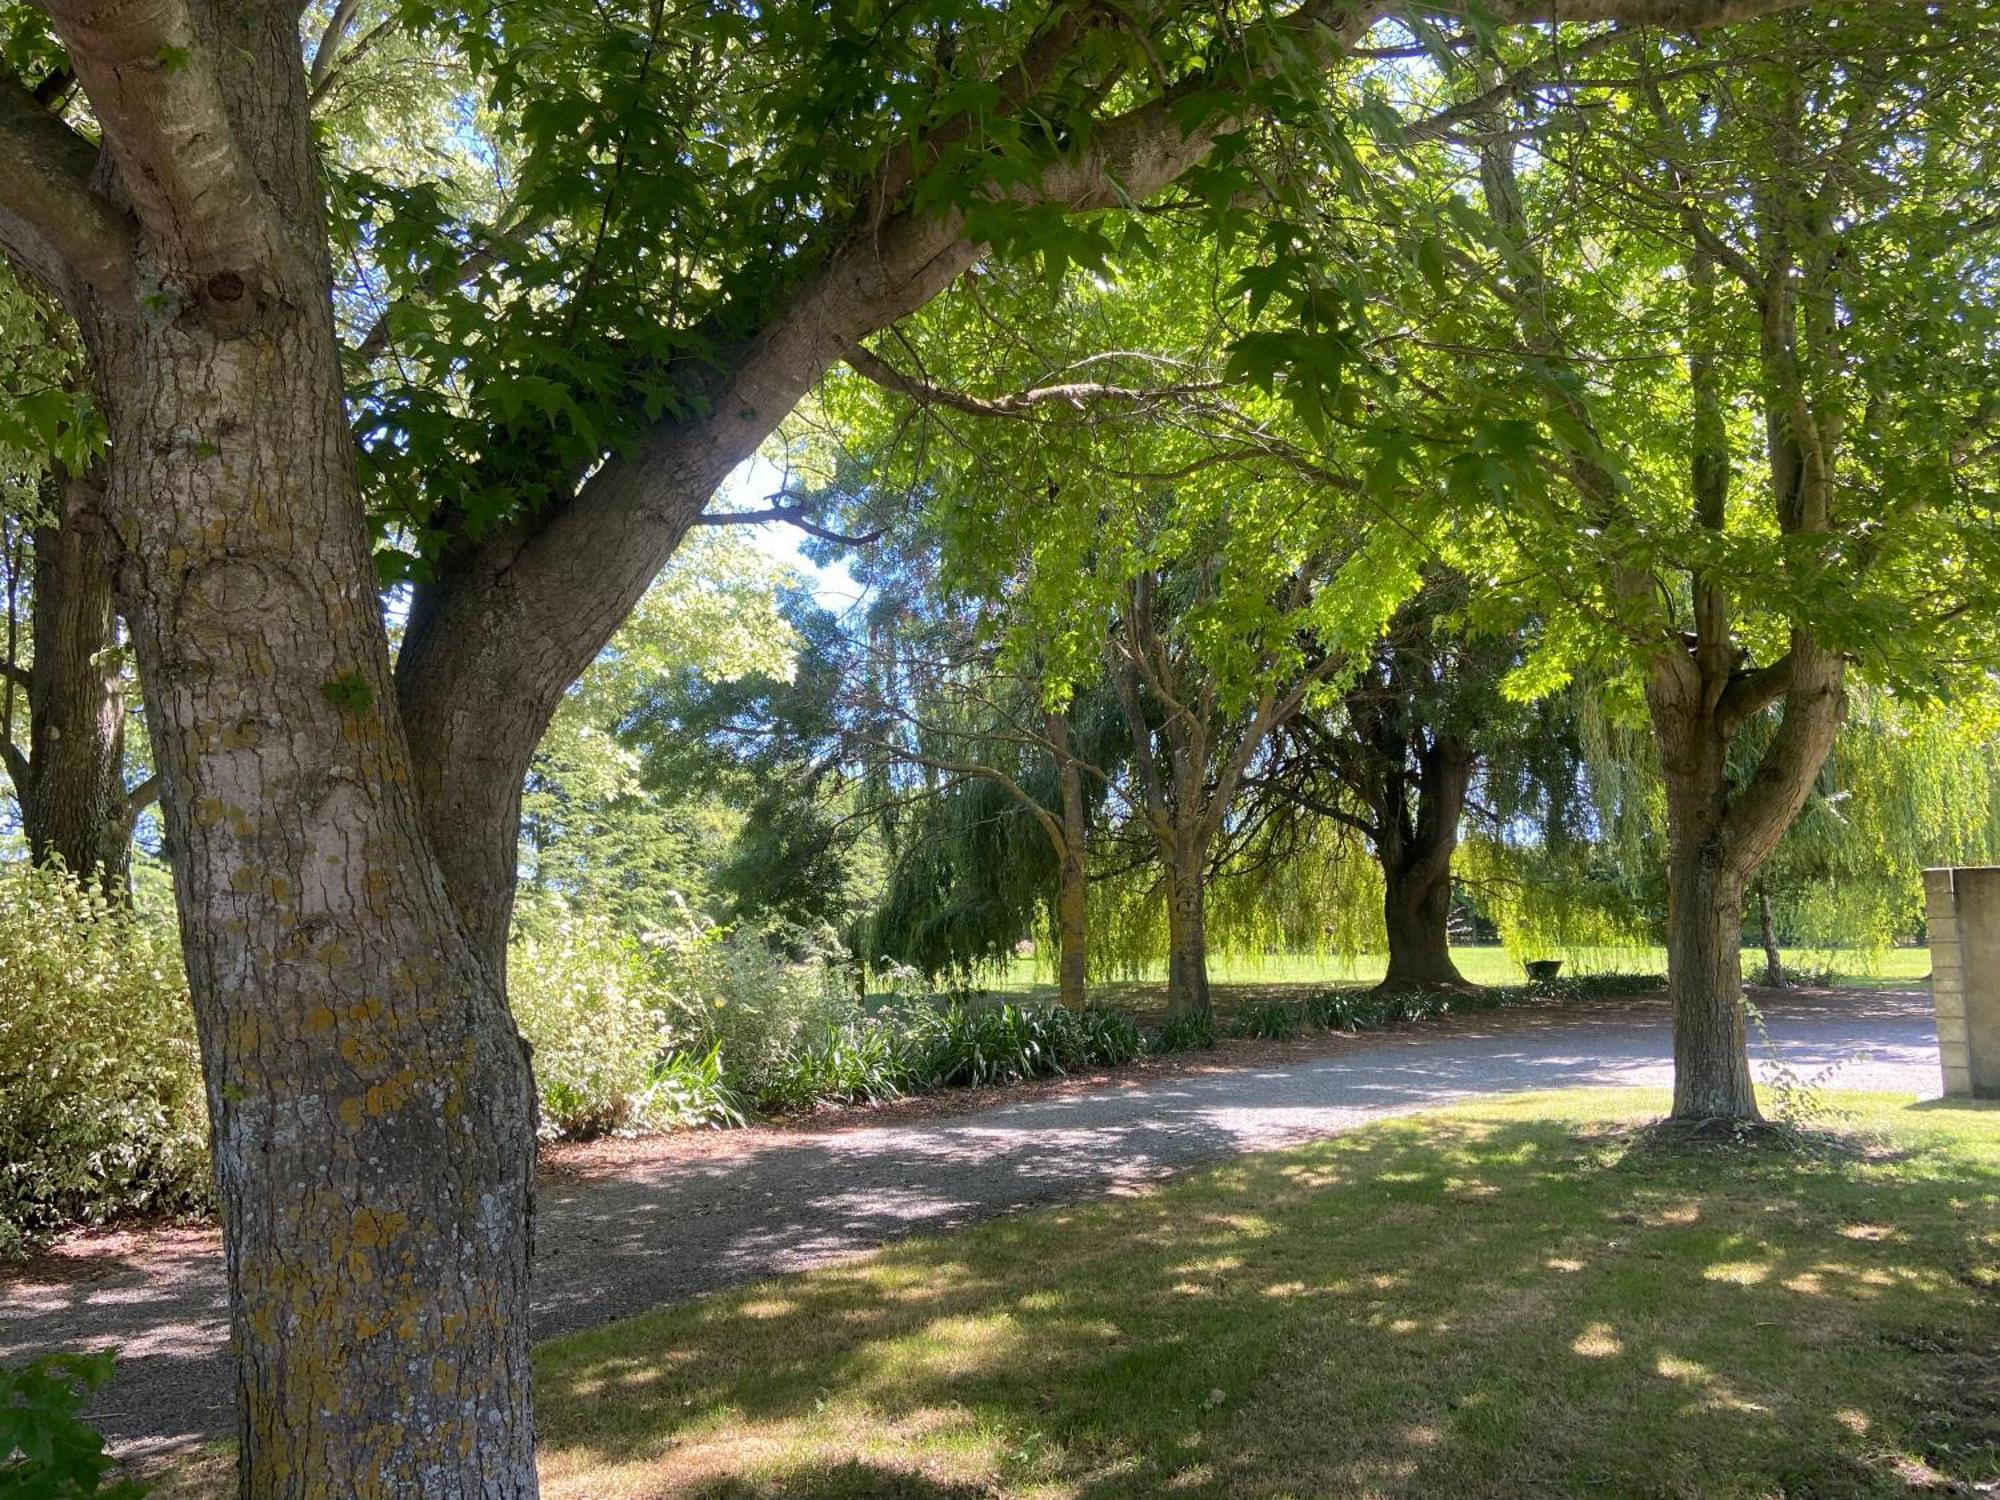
(667, 1224)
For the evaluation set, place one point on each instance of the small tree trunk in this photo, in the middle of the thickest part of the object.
(1072, 912)
(1187, 937)
(1417, 912)
(1774, 963)
(73, 804)
(1071, 897)
(1712, 1077)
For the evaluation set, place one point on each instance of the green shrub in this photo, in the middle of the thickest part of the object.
(970, 1046)
(101, 1103)
(1185, 1031)
(47, 1450)
(1372, 1010)
(689, 1092)
(765, 1000)
(1270, 1020)
(584, 998)
(1111, 1039)
(856, 1061)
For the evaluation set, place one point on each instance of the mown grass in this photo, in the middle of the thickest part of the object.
(1515, 1297)
(1240, 980)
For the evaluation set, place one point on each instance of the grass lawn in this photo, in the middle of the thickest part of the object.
(1241, 980)
(1510, 1298)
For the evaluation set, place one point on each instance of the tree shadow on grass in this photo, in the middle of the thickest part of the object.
(849, 1480)
(1468, 1307)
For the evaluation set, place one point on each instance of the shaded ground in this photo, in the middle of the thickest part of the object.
(655, 1222)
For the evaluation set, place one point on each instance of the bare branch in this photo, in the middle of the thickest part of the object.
(790, 515)
(361, 48)
(1075, 394)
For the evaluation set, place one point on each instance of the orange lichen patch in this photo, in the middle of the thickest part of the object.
(379, 1099)
(371, 1230)
(363, 1052)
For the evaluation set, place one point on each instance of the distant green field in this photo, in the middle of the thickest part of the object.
(1244, 978)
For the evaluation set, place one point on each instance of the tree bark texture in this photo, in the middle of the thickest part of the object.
(371, 1102)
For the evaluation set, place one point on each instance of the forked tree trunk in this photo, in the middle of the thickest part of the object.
(1187, 936)
(1072, 893)
(70, 785)
(370, 1098)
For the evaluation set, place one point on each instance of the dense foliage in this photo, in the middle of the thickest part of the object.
(101, 1105)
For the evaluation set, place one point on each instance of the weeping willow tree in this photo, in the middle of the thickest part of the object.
(1573, 858)
(1908, 785)
(991, 831)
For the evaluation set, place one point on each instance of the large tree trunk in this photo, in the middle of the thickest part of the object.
(1416, 909)
(74, 810)
(1415, 855)
(1072, 904)
(1712, 1077)
(1187, 935)
(372, 1109)
(370, 1098)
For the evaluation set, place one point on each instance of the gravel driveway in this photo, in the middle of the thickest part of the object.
(668, 1224)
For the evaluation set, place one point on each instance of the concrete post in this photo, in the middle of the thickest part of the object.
(1962, 912)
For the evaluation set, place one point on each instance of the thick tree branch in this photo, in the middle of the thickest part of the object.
(153, 85)
(142, 796)
(336, 31)
(50, 220)
(1751, 693)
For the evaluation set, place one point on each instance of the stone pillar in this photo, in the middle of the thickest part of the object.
(1962, 912)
